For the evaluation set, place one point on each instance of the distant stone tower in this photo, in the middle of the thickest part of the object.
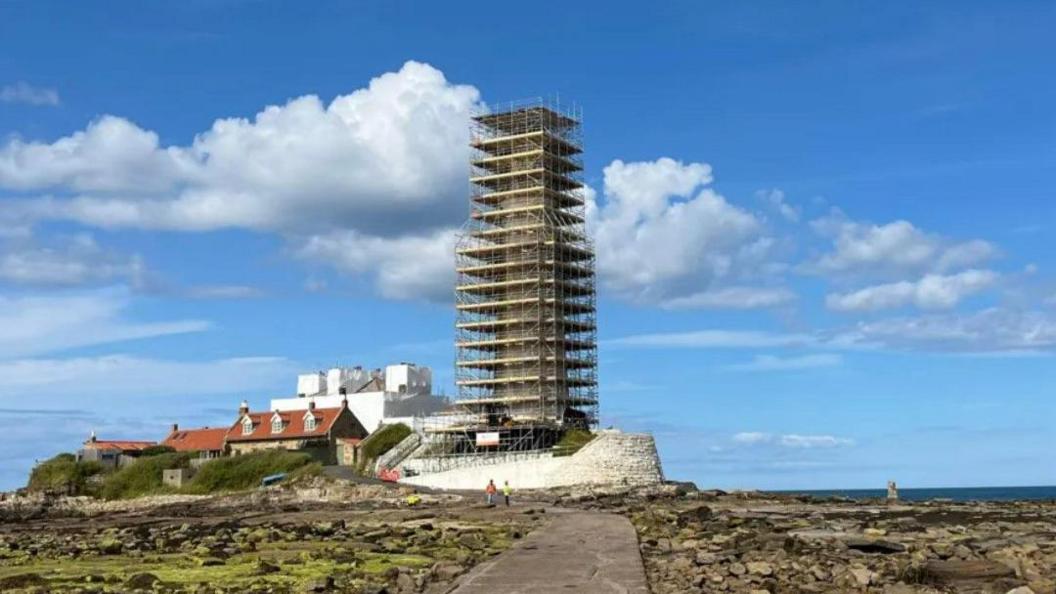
(526, 331)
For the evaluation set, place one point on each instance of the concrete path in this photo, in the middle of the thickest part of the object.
(584, 552)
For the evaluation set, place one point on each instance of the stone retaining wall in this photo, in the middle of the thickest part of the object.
(613, 458)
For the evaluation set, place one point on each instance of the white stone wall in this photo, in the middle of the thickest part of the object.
(612, 458)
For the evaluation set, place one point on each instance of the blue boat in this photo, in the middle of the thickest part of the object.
(272, 479)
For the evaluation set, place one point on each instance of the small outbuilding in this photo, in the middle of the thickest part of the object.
(112, 453)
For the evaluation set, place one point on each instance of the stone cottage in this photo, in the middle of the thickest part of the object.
(323, 433)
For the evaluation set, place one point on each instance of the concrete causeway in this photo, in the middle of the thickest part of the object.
(583, 552)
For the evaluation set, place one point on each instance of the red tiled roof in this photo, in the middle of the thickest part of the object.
(293, 425)
(118, 444)
(196, 440)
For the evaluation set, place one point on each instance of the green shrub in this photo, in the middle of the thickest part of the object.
(63, 474)
(572, 441)
(245, 471)
(379, 442)
(142, 477)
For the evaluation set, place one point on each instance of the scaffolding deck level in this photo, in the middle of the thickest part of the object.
(583, 326)
(481, 143)
(547, 193)
(492, 159)
(569, 345)
(527, 379)
(525, 359)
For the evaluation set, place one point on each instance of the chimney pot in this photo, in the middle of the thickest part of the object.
(175, 427)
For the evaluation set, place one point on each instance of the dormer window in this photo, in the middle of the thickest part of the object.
(309, 423)
(276, 424)
(247, 426)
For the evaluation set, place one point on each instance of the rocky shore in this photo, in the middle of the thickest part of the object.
(327, 539)
(335, 537)
(713, 542)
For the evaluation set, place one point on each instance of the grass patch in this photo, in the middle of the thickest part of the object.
(63, 474)
(142, 477)
(245, 472)
(572, 441)
(379, 442)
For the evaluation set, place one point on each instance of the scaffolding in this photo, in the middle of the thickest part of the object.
(526, 341)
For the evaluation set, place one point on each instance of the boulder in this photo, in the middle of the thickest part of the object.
(867, 545)
(141, 581)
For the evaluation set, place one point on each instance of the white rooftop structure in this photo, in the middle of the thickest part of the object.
(396, 394)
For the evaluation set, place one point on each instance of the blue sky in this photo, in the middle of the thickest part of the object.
(824, 232)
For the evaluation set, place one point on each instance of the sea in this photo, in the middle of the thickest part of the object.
(953, 494)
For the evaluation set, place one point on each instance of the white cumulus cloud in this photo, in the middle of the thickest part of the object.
(663, 237)
(381, 170)
(775, 199)
(933, 291)
(897, 248)
(415, 266)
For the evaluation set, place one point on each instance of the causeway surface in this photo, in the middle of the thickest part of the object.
(586, 552)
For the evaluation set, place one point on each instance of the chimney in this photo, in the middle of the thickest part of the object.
(311, 404)
(91, 437)
(344, 402)
(243, 409)
(175, 427)
(343, 391)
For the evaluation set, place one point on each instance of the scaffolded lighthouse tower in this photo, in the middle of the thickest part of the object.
(526, 332)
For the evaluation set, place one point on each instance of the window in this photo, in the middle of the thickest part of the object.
(247, 426)
(276, 424)
(309, 423)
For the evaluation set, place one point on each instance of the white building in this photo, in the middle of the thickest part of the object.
(395, 395)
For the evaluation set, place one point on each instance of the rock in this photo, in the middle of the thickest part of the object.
(110, 546)
(265, 568)
(738, 569)
(875, 546)
(325, 584)
(760, 568)
(141, 581)
(405, 583)
(22, 581)
(447, 571)
(900, 589)
(953, 571)
(697, 514)
(862, 576)
(1020, 590)
(471, 541)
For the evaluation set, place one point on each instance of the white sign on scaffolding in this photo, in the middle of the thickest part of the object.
(488, 439)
